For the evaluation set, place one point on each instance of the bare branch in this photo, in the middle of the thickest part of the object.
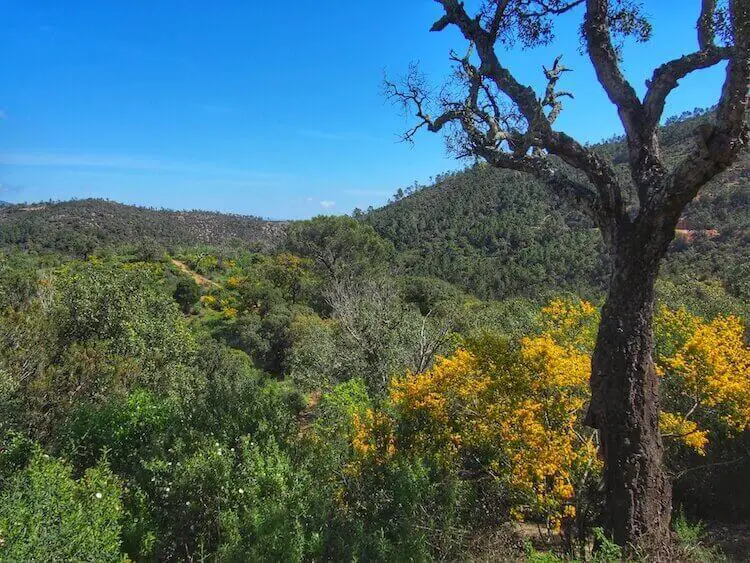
(666, 77)
(523, 96)
(641, 119)
(718, 144)
(551, 98)
(708, 466)
(484, 129)
(604, 59)
(413, 96)
(490, 135)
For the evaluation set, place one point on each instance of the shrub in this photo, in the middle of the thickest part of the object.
(186, 294)
(47, 515)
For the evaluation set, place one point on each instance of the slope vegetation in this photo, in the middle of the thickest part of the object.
(78, 227)
(500, 233)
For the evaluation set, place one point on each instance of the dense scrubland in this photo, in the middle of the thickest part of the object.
(407, 384)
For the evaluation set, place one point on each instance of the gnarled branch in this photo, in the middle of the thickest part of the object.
(666, 77)
(484, 129)
(605, 61)
(717, 144)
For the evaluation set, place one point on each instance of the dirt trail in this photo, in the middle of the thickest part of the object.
(199, 279)
(307, 416)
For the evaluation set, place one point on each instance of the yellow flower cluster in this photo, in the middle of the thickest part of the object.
(713, 368)
(515, 408)
(372, 437)
(685, 430)
(522, 406)
(233, 282)
(572, 322)
(560, 366)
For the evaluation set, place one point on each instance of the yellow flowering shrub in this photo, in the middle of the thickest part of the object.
(685, 430)
(711, 371)
(233, 282)
(372, 436)
(570, 322)
(514, 409)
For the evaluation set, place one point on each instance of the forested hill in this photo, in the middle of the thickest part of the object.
(78, 227)
(499, 233)
(494, 233)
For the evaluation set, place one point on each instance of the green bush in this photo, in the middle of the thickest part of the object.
(186, 294)
(47, 515)
(247, 501)
(690, 539)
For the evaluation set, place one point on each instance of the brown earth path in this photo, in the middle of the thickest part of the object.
(199, 279)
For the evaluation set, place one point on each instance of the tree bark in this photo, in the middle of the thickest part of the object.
(625, 395)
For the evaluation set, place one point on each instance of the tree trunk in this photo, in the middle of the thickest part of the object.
(625, 398)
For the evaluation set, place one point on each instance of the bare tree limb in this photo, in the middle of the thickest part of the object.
(605, 61)
(520, 145)
(523, 96)
(551, 97)
(666, 77)
(718, 144)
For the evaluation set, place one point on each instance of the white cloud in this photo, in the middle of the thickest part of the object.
(8, 189)
(327, 203)
(126, 162)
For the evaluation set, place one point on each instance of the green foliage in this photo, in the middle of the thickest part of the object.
(18, 280)
(235, 502)
(261, 427)
(534, 556)
(312, 359)
(605, 550)
(499, 234)
(406, 510)
(186, 294)
(46, 515)
(149, 250)
(341, 247)
(378, 335)
(690, 539)
(706, 298)
(78, 228)
(96, 330)
(494, 233)
(689, 534)
(125, 306)
(128, 430)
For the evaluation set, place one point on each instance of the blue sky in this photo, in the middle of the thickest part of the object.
(258, 107)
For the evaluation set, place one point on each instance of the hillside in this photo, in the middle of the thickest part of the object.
(494, 233)
(499, 233)
(219, 387)
(77, 227)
